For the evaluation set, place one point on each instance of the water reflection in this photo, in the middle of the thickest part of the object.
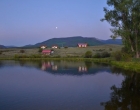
(73, 68)
(126, 97)
(82, 69)
(67, 85)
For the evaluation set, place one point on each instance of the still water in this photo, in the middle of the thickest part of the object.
(61, 85)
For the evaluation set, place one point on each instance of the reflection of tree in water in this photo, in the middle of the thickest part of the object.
(88, 64)
(22, 62)
(1, 64)
(101, 64)
(126, 97)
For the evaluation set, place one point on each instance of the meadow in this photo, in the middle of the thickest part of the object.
(62, 52)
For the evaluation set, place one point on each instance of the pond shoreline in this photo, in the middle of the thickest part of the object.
(130, 66)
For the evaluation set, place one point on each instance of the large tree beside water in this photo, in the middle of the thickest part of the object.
(124, 17)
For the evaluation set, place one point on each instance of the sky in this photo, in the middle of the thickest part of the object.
(24, 22)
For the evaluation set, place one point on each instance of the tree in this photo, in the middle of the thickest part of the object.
(124, 18)
(40, 50)
(88, 54)
(127, 96)
(22, 51)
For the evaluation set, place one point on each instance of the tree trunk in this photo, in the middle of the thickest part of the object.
(136, 41)
(131, 45)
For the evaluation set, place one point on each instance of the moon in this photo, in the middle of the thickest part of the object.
(56, 27)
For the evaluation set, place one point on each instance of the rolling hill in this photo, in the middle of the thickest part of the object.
(2, 47)
(112, 41)
(73, 41)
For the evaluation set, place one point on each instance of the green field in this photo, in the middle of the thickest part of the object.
(70, 51)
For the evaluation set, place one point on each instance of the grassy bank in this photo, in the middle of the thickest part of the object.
(131, 66)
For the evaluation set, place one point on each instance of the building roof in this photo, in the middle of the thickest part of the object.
(46, 51)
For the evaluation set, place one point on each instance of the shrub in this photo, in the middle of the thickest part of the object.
(20, 56)
(97, 55)
(52, 49)
(35, 56)
(40, 50)
(22, 51)
(88, 54)
(0, 52)
(121, 56)
(110, 49)
(58, 56)
(105, 54)
(117, 55)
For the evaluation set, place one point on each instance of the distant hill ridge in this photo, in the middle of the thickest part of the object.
(73, 41)
(2, 47)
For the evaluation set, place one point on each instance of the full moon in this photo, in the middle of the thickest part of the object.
(56, 27)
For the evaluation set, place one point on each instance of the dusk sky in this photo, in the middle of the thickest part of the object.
(25, 22)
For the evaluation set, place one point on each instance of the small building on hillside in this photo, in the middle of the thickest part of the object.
(54, 46)
(82, 44)
(46, 52)
(43, 47)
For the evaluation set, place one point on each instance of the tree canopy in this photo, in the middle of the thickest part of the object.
(124, 17)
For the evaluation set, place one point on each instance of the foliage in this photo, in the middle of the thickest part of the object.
(124, 17)
(121, 56)
(40, 50)
(0, 52)
(88, 54)
(97, 55)
(22, 51)
(110, 49)
(126, 95)
(101, 55)
(105, 54)
(58, 56)
(66, 47)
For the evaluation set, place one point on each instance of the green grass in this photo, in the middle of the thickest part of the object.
(63, 52)
(131, 66)
(77, 53)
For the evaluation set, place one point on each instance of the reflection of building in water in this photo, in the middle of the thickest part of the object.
(54, 67)
(46, 65)
(82, 69)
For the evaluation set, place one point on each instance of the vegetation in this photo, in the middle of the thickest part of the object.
(40, 50)
(124, 17)
(88, 54)
(118, 56)
(102, 55)
(22, 51)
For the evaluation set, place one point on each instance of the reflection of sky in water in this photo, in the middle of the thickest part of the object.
(31, 88)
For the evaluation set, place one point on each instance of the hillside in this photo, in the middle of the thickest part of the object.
(73, 41)
(112, 41)
(2, 47)
(70, 41)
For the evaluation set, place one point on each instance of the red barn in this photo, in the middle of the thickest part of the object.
(46, 52)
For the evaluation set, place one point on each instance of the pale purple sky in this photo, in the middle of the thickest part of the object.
(25, 22)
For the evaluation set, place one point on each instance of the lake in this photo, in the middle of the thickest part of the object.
(62, 85)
